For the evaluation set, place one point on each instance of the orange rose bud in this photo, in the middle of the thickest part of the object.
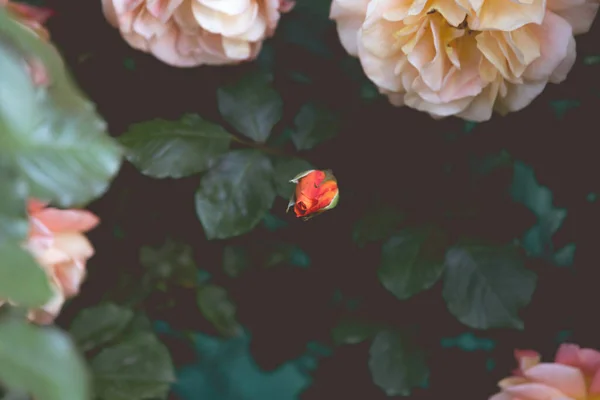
(316, 192)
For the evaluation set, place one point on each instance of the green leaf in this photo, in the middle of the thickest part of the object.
(285, 169)
(41, 361)
(16, 395)
(591, 60)
(175, 149)
(137, 368)
(412, 261)
(314, 125)
(251, 106)
(234, 196)
(306, 30)
(377, 224)
(397, 364)
(14, 223)
(98, 325)
(273, 223)
(235, 261)
(216, 307)
(537, 241)
(56, 138)
(485, 286)
(22, 280)
(561, 107)
(354, 331)
(173, 260)
(279, 253)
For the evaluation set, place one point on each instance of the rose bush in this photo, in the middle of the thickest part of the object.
(455, 241)
(463, 58)
(188, 33)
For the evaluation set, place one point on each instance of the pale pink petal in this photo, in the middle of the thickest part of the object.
(286, 5)
(163, 9)
(556, 5)
(227, 25)
(165, 49)
(35, 205)
(110, 14)
(526, 358)
(76, 245)
(229, 7)
(569, 380)
(511, 381)
(482, 106)
(502, 396)
(70, 275)
(236, 49)
(125, 6)
(52, 256)
(580, 17)
(519, 96)
(534, 391)
(48, 312)
(554, 35)
(37, 228)
(67, 220)
(348, 31)
(563, 69)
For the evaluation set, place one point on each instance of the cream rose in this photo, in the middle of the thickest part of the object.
(57, 242)
(188, 33)
(463, 57)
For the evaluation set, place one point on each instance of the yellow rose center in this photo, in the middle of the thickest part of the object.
(450, 47)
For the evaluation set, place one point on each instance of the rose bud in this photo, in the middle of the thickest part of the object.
(316, 192)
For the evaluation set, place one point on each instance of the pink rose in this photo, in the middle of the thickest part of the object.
(57, 242)
(463, 58)
(575, 374)
(188, 33)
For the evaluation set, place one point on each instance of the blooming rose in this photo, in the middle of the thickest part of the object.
(463, 57)
(574, 375)
(316, 192)
(188, 33)
(57, 243)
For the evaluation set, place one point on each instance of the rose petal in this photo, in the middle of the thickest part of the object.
(534, 391)
(67, 220)
(569, 380)
(505, 15)
(580, 17)
(76, 245)
(554, 35)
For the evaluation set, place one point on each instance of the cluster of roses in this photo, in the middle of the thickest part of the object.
(445, 57)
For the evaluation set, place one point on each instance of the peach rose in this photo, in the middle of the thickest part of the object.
(188, 33)
(57, 243)
(574, 375)
(463, 57)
